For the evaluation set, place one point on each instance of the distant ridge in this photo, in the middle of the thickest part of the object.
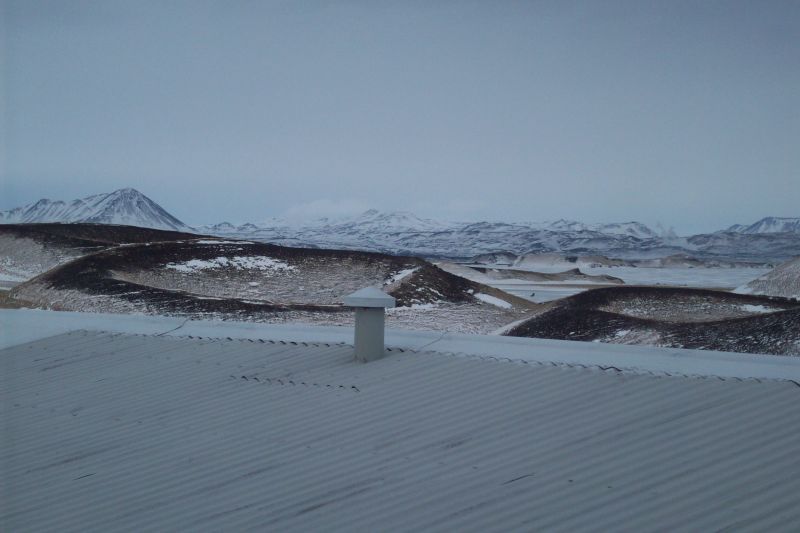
(124, 206)
(405, 233)
(769, 225)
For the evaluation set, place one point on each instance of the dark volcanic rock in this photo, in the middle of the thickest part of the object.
(673, 317)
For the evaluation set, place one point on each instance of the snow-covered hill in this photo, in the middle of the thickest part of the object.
(124, 206)
(769, 225)
(783, 280)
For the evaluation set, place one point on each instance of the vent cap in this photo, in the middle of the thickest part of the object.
(369, 297)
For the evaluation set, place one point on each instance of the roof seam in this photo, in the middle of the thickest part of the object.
(216, 339)
(290, 382)
(605, 369)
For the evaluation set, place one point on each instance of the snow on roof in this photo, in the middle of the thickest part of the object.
(25, 325)
(121, 431)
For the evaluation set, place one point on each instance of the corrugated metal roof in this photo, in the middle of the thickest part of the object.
(130, 432)
(26, 325)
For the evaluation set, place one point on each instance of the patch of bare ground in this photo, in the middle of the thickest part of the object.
(672, 317)
(9, 302)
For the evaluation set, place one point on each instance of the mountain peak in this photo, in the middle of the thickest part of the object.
(126, 192)
(125, 206)
(769, 225)
(391, 221)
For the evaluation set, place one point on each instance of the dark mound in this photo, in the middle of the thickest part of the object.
(94, 274)
(90, 235)
(164, 278)
(431, 284)
(673, 317)
(158, 254)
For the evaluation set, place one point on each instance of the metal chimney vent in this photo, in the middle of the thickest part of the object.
(369, 303)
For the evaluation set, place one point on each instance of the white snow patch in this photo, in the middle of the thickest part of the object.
(238, 262)
(489, 299)
(394, 278)
(508, 327)
(207, 241)
(412, 307)
(17, 277)
(756, 308)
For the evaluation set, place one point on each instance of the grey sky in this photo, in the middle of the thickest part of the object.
(684, 113)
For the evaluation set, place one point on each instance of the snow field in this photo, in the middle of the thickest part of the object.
(783, 280)
(401, 275)
(493, 300)
(261, 263)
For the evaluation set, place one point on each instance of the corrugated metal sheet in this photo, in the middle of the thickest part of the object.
(124, 432)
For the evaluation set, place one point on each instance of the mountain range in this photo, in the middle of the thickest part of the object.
(769, 239)
(405, 233)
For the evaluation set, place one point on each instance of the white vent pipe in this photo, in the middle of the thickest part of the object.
(369, 303)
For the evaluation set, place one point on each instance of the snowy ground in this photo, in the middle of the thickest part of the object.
(7, 285)
(688, 308)
(782, 281)
(541, 292)
(709, 278)
(477, 318)
(22, 259)
(533, 291)
(239, 280)
(264, 279)
(546, 291)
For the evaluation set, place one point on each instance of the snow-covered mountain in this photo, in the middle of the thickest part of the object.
(123, 206)
(392, 222)
(783, 280)
(771, 239)
(403, 232)
(633, 229)
(406, 233)
(769, 225)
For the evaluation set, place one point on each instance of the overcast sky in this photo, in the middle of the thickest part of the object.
(683, 113)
